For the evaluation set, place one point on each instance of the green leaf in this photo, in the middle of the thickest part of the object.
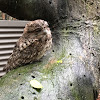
(36, 84)
(59, 61)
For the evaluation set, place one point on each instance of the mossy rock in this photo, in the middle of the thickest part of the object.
(62, 72)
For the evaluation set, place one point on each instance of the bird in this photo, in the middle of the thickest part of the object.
(31, 46)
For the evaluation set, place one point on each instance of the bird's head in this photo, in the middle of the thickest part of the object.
(38, 27)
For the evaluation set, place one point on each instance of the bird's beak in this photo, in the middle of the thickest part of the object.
(47, 31)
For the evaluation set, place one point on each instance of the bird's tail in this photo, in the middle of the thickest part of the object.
(6, 68)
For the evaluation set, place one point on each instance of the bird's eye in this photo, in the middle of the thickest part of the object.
(46, 23)
(38, 30)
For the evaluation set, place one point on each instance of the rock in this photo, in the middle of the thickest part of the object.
(76, 78)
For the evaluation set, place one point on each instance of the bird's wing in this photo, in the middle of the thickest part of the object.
(20, 52)
(24, 43)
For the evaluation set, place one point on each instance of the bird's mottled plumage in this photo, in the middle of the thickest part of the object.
(32, 45)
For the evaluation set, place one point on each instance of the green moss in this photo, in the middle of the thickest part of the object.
(76, 94)
(49, 69)
(62, 55)
(66, 32)
(54, 62)
(96, 30)
(16, 73)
